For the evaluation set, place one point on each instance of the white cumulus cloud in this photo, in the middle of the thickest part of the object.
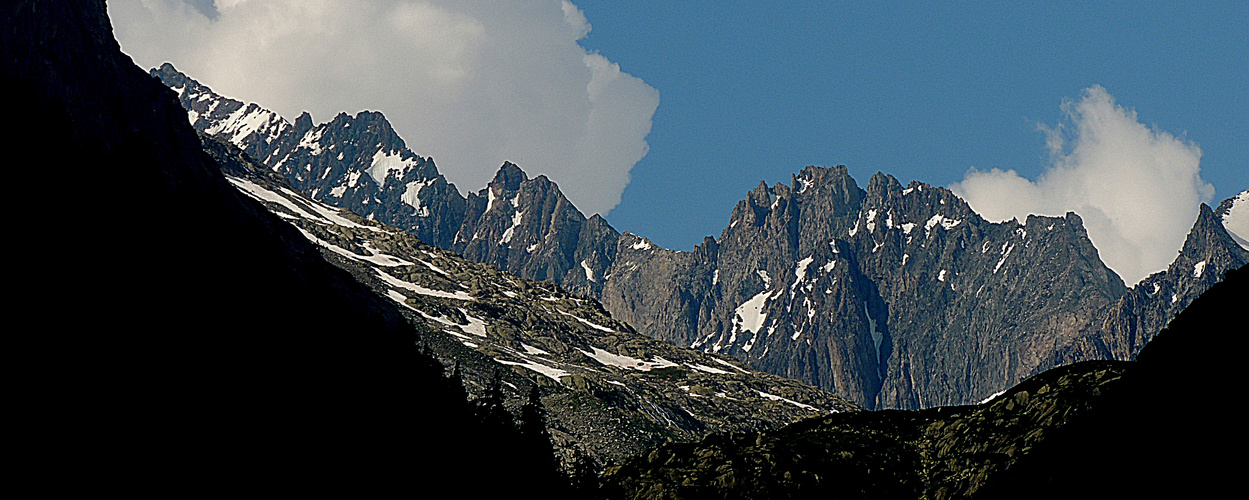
(1136, 188)
(471, 83)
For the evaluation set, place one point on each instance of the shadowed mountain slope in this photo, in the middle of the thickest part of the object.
(196, 340)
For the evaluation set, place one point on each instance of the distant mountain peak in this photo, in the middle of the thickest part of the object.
(509, 177)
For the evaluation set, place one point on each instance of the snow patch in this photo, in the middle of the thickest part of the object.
(375, 257)
(800, 273)
(707, 369)
(1199, 268)
(261, 194)
(384, 163)
(774, 397)
(489, 198)
(411, 196)
(553, 373)
(608, 359)
(587, 323)
(475, 326)
(992, 396)
(511, 230)
(400, 298)
(329, 212)
(1006, 250)
(750, 315)
(244, 122)
(311, 140)
(589, 273)
(806, 183)
(945, 222)
(730, 365)
(396, 282)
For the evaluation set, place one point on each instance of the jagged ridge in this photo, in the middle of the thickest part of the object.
(895, 297)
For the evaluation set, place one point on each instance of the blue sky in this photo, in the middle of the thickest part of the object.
(754, 91)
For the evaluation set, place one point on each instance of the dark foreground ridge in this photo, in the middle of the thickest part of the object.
(1096, 429)
(208, 345)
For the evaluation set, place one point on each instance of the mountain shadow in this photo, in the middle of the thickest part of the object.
(191, 340)
(1168, 428)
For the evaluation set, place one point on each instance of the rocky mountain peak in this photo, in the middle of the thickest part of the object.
(597, 220)
(509, 177)
(881, 183)
(303, 121)
(1208, 247)
(708, 249)
(173, 78)
(837, 177)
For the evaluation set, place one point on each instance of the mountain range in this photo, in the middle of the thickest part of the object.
(891, 296)
(199, 323)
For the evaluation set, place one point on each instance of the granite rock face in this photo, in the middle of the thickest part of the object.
(892, 296)
(902, 297)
